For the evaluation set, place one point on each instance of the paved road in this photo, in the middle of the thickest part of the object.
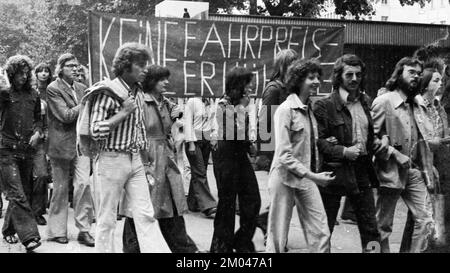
(345, 237)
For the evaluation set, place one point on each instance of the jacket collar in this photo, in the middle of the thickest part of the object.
(66, 87)
(340, 103)
(294, 102)
(398, 98)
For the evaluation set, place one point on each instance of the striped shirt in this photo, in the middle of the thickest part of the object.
(129, 135)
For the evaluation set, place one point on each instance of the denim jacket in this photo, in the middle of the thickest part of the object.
(292, 158)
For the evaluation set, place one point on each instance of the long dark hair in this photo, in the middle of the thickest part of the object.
(41, 67)
(283, 59)
(338, 69)
(236, 80)
(16, 64)
(393, 81)
(153, 74)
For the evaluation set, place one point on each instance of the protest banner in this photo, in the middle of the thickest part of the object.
(200, 52)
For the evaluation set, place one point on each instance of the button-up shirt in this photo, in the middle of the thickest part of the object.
(130, 134)
(199, 120)
(20, 119)
(360, 124)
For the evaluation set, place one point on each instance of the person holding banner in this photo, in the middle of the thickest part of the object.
(111, 128)
(167, 192)
(294, 176)
(234, 173)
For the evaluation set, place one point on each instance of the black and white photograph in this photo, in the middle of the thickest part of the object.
(217, 128)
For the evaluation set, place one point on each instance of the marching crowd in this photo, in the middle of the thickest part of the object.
(120, 148)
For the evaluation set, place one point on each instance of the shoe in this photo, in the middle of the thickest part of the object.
(86, 239)
(210, 213)
(32, 245)
(40, 220)
(59, 240)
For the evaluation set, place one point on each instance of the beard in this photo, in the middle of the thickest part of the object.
(408, 88)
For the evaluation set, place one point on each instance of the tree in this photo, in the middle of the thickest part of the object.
(304, 8)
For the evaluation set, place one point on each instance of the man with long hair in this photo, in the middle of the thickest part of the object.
(405, 168)
(113, 118)
(346, 140)
(20, 117)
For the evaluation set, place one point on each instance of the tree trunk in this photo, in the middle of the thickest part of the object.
(253, 7)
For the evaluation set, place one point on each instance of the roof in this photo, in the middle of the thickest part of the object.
(360, 32)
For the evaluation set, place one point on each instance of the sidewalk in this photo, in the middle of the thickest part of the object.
(345, 237)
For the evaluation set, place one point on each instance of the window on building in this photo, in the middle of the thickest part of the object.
(384, 2)
(384, 18)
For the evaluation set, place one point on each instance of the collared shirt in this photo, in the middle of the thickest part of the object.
(414, 139)
(20, 119)
(360, 123)
(199, 118)
(74, 94)
(130, 134)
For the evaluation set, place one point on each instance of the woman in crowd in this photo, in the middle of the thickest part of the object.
(273, 95)
(167, 191)
(232, 168)
(41, 178)
(294, 173)
(431, 93)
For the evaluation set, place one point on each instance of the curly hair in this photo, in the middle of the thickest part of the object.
(15, 65)
(392, 83)
(62, 60)
(298, 71)
(338, 69)
(281, 63)
(153, 74)
(128, 54)
(41, 67)
(236, 81)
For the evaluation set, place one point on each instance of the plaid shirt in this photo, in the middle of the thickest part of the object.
(130, 134)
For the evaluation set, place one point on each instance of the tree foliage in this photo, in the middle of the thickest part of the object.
(44, 29)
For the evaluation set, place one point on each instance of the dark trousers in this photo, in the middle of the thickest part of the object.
(363, 205)
(234, 177)
(15, 176)
(173, 230)
(39, 195)
(199, 196)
